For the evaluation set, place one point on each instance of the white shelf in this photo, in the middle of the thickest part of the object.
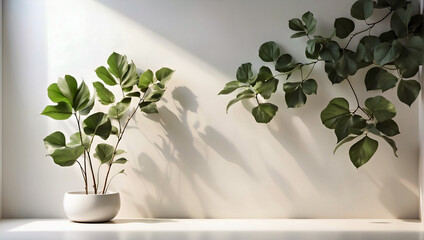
(246, 229)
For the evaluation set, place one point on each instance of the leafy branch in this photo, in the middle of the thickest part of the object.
(400, 49)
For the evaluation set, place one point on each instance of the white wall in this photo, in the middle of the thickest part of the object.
(193, 160)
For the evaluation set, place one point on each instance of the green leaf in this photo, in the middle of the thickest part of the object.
(343, 26)
(86, 110)
(114, 131)
(366, 47)
(106, 97)
(395, 4)
(385, 52)
(392, 144)
(67, 156)
(361, 152)
(133, 94)
(164, 74)
(68, 86)
(289, 87)
(56, 95)
(409, 72)
(347, 125)
(145, 80)
(54, 141)
(285, 63)
(310, 22)
(408, 91)
(346, 66)
(119, 152)
(244, 73)
(267, 88)
(388, 127)
(105, 76)
(310, 86)
(154, 94)
(118, 111)
(61, 111)
(330, 69)
(337, 109)
(298, 34)
(148, 107)
(264, 112)
(76, 140)
(295, 99)
(243, 95)
(130, 78)
(264, 74)
(362, 9)
(231, 87)
(378, 78)
(412, 55)
(296, 25)
(400, 20)
(381, 108)
(97, 124)
(121, 161)
(104, 152)
(269, 51)
(118, 65)
(330, 51)
(346, 140)
(388, 36)
(82, 98)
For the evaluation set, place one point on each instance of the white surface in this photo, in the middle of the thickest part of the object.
(193, 160)
(81, 207)
(176, 229)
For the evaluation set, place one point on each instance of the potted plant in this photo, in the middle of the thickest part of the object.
(106, 127)
(391, 58)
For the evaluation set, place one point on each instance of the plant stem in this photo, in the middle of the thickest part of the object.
(371, 25)
(310, 70)
(85, 157)
(357, 100)
(119, 140)
(88, 154)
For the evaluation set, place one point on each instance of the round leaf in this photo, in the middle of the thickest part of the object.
(388, 127)
(244, 73)
(362, 9)
(362, 151)
(343, 26)
(264, 112)
(310, 86)
(381, 108)
(336, 109)
(408, 91)
(269, 51)
(378, 78)
(295, 99)
(285, 63)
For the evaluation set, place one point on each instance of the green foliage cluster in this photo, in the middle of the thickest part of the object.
(72, 99)
(391, 59)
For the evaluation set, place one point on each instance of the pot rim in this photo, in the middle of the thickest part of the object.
(91, 193)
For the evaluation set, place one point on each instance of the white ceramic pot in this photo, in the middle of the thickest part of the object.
(81, 207)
